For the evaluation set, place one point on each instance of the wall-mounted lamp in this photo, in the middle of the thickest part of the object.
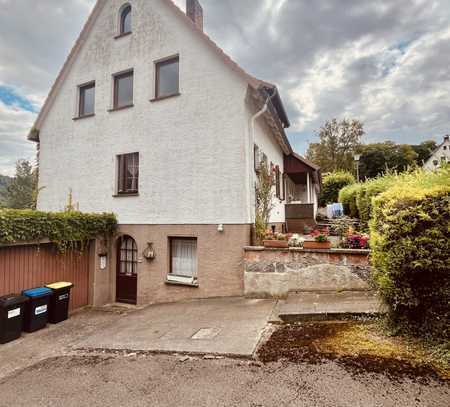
(149, 252)
(220, 228)
(103, 262)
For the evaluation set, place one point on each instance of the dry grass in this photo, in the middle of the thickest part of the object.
(362, 346)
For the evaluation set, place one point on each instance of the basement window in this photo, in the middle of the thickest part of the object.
(183, 260)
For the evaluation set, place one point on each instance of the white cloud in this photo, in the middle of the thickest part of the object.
(14, 125)
(385, 62)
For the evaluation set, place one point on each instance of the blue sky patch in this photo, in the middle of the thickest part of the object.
(11, 98)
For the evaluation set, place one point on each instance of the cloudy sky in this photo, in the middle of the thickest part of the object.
(385, 62)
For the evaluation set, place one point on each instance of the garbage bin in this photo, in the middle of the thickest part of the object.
(59, 302)
(36, 309)
(12, 309)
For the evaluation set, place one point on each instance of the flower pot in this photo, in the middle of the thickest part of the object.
(278, 244)
(312, 244)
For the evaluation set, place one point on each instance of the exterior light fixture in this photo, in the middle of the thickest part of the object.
(149, 252)
(220, 228)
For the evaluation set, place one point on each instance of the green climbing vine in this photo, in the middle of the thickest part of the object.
(67, 230)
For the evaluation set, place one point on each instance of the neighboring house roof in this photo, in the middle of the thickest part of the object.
(252, 81)
(436, 150)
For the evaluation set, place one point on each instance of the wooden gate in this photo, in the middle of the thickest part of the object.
(23, 267)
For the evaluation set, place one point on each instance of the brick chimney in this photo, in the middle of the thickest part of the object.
(195, 12)
(446, 138)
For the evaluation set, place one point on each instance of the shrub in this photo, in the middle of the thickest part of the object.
(347, 196)
(370, 189)
(65, 229)
(410, 237)
(332, 184)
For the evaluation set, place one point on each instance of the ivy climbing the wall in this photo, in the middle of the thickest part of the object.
(67, 230)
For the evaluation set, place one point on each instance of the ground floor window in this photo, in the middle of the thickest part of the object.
(183, 257)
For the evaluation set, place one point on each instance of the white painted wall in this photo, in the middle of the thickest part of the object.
(192, 147)
(267, 144)
(442, 152)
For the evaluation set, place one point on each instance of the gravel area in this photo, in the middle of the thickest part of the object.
(158, 380)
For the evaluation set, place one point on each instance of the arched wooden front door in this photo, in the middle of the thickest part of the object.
(127, 261)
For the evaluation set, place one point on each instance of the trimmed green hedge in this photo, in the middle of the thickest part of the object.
(65, 229)
(347, 196)
(370, 189)
(410, 238)
(332, 184)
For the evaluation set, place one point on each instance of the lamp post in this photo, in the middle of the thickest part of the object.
(357, 158)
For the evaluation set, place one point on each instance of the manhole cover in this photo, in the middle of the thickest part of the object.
(206, 333)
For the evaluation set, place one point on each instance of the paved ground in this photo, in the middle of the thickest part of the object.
(157, 380)
(48, 369)
(299, 306)
(230, 326)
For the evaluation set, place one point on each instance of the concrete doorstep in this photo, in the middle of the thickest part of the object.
(331, 305)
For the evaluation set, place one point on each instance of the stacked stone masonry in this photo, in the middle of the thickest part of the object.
(273, 273)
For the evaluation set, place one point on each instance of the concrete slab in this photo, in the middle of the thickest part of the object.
(225, 326)
(314, 305)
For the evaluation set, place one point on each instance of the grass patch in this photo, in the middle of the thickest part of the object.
(360, 347)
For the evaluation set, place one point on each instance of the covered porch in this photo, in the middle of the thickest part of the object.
(303, 184)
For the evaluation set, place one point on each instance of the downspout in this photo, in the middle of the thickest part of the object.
(252, 143)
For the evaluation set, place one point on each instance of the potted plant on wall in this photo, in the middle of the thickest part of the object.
(276, 240)
(320, 240)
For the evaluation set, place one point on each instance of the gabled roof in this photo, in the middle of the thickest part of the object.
(308, 163)
(252, 81)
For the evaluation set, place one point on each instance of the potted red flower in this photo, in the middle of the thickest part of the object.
(320, 240)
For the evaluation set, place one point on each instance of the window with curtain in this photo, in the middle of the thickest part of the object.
(128, 173)
(183, 257)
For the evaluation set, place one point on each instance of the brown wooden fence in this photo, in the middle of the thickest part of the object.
(23, 267)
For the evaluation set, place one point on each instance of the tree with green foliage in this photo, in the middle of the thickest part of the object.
(424, 150)
(377, 158)
(264, 201)
(4, 182)
(21, 193)
(337, 145)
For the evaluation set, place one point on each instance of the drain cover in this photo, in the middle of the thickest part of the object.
(206, 333)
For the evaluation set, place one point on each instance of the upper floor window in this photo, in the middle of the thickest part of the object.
(128, 174)
(167, 78)
(86, 105)
(125, 20)
(123, 90)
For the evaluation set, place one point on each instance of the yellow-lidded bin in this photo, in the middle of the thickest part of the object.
(59, 301)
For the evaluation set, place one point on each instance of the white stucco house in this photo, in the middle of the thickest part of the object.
(440, 155)
(151, 120)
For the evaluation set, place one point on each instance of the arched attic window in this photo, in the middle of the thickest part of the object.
(125, 19)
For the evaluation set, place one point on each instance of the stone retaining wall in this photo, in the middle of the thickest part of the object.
(273, 273)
